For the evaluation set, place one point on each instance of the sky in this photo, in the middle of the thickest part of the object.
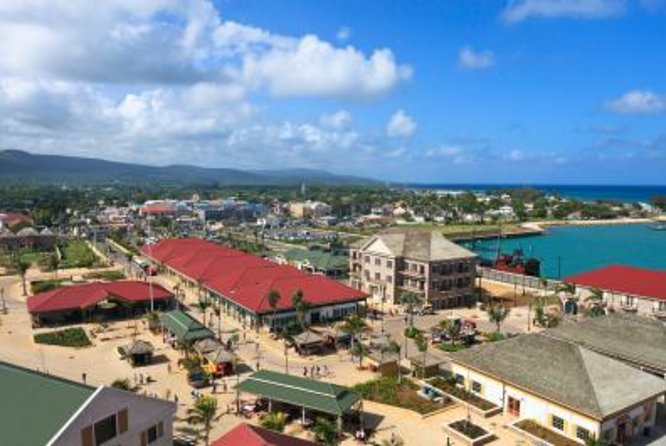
(414, 91)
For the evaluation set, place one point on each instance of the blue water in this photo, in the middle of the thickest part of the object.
(581, 248)
(628, 194)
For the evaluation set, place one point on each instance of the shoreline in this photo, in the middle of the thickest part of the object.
(544, 225)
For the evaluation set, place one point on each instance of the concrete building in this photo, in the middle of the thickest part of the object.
(627, 289)
(39, 409)
(568, 389)
(309, 209)
(394, 262)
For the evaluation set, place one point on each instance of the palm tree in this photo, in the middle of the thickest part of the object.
(122, 384)
(360, 350)
(354, 325)
(273, 299)
(22, 267)
(497, 314)
(203, 412)
(203, 305)
(326, 432)
(422, 346)
(412, 301)
(301, 307)
(596, 298)
(275, 421)
(451, 328)
(567, 288)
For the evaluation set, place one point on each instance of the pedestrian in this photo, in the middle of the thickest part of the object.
(214, 387)
(305, 371)
(141, 378)
(175, 398)
(84, 377)
(168, 394)
(169, 367)
(312, 372)
(318, 371)
(224, 386)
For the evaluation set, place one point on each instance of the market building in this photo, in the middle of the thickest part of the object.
(241, 282)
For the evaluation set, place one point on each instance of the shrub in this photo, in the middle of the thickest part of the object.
(111, 276)
(451, 347)
(69, 337)
(388, 391)
(41, 286)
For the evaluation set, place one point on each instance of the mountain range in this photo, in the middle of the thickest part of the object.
(24, 167)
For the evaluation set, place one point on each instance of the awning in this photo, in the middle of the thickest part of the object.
(311, 394)
(184, 326)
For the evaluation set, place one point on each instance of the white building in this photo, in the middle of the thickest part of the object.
(561, 386)
(39, 409)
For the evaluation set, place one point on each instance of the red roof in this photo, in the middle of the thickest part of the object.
(248, 435)
(246, 279)
(12, 218)
(158, 209)
(83, 296)
(625, 279)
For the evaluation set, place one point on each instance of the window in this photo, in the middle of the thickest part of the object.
(662, 306)
(557, 423)
(105, 430)
(476, 387)
(630, 301)
(154, 433)
(389, 264)
(378, 262)
(582, 433)
(378, 276)
(460, 379)
(367, 259)
(389, 278)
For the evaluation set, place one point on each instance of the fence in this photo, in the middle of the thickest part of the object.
(515, 279)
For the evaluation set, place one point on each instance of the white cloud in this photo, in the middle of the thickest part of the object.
(514, 155)
(344, 33)
(316, 68)
(520, 10)
(475, 60)
(400, 124)
(638, 102)
(455, 154)
(337, 120)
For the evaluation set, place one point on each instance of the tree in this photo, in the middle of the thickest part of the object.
(359, 349)
(53, 262)
(596, 299)
(411, 301)
(275, 421)
(273, 299)
(22, 266)
(354, 325)
(422, 346)
(451, 328)
(497, 314)
(541, 317)
(203, 305)
(568, 288)
(203, 412)
(326, 432)
(393, 347)
(122, 384)
(301, 307)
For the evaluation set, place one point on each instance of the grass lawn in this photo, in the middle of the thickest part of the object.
(388, 391)
(69, 337)
(77, 254)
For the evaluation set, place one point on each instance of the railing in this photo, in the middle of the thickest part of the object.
(515, 279)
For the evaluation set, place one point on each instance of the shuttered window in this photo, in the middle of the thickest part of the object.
(87, 436)
(123, 421)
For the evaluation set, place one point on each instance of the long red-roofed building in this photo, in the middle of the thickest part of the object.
(248, 435)
(77, 302)
(242, 282)
(625, 287)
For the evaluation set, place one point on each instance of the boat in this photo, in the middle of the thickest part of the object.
(658, 227)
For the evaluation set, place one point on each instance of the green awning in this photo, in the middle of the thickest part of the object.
(311, 394)
(184, 326)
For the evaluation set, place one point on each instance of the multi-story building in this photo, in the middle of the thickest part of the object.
(309, 209)
(395, 262)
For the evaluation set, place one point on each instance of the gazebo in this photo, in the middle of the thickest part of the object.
(138, 352)
(309, 342)
(425, 369)
(218, 360)
(306, 394)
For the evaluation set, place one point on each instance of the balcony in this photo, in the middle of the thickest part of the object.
(412, 273)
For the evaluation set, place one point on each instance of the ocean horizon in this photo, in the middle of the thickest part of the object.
(628, 194)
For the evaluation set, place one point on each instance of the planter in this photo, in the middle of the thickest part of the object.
(468, 433)
(488, 409)
(541, 435)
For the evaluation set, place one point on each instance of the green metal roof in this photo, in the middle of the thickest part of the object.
(184, 326)
(34, 406)
(318, 259)
(317, 395)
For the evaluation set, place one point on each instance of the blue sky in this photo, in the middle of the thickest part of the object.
(521, 91)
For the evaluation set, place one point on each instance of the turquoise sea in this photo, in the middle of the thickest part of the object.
(581, 248)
